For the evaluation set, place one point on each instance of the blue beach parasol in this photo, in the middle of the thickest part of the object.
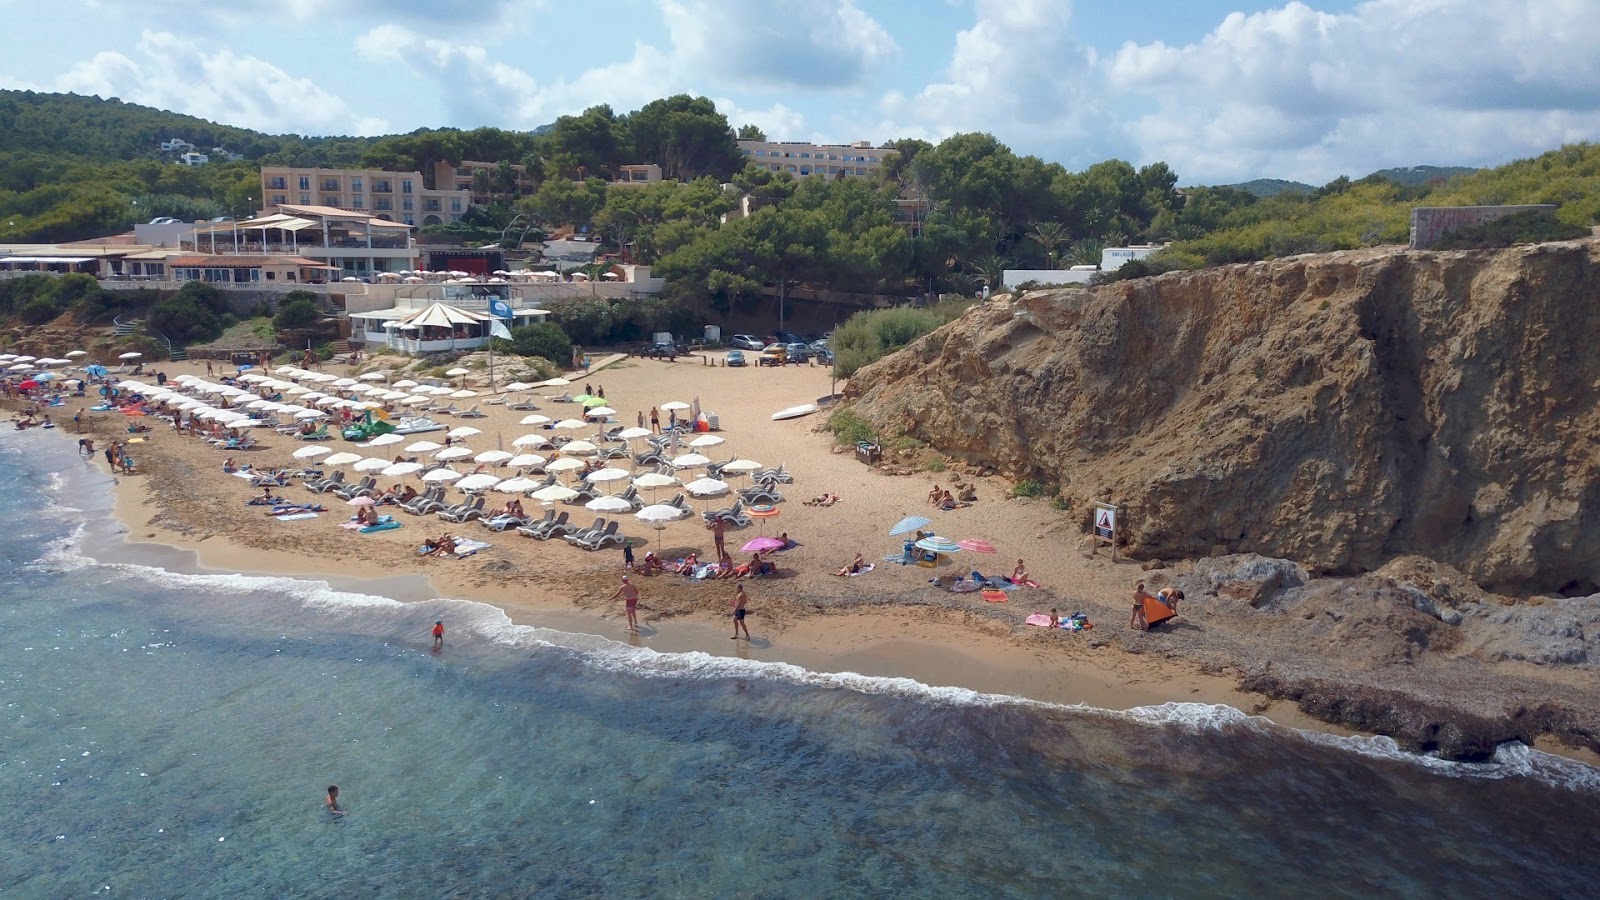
(909, 524)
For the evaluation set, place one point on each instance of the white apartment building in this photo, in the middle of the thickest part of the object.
(801, 159)
(389, 196)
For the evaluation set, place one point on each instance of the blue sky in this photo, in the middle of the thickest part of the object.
(1222, 91)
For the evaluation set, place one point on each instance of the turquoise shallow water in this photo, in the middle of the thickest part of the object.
(171, 734)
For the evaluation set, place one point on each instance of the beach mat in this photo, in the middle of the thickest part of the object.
(1040, 619)
(994, 596)
(864, 570)
(466, 548)
(295, 517)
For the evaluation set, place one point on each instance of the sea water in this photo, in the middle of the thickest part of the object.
(168, 734)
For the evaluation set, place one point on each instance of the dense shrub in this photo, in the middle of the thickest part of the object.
(601, 322)
(544, 339)
(299, 309)
(869, 336)
(849, 428)
(40, 310)
(198, 312)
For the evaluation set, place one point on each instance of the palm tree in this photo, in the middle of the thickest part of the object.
(993, 269)
(1049, 235)
(1085, 252)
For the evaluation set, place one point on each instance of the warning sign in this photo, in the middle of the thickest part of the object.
(1105, 522)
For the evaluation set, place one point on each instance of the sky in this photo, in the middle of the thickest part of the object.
(1222, 90)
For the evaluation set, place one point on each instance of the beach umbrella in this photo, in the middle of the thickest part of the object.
(403, 383)
(534, 419)
(375, 390)
(605, 476)
(462, 395)
(565, 464)
(453, 453)
(401, 468)
(600, 412)
(492, 456)
(706, 487)
(904, 526)
(659, 513)
(371, 464)
(633, 434)
(441, 391)
(462, 431)
(28, 385)
(762, 512)
(708, 440)
(762, 545)
(526, 461)
(384, 440)
(976, 546)
(373, 376)
(689, 461)
(441, 475)
(517, 386)
(608, 505)
(589, 400)
(458, 371)
(360, 501)
(936, 544)
(329, 401)
(416, 401)
(479, 482)
(651, 481)
(674, 406)
(342, 459)
(570, 424)
(555, 493)
(310, 414)
(583, 447)
(423, 447)
(531, 440)
(246, 423)
(311, 452)
(553, 382)
(393, 395)
(74, 354)
(129, 355)
(516, 485)
(95, 371)
(346, 382)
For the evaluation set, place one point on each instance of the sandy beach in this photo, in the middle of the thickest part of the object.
(889, 622)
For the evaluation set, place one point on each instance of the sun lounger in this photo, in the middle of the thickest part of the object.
(562, 530)
(558, 398)
(530, 522)
(449, 409)
(541, 529)
(366, 487)
(415, 504)
(760, 494)
(593, 530)
(596, 540)
(505, 521)
(327, 484)
(780, 475)
(470, 412)
(497, 400)
(524, 403)
(320, 434)
(473, 510)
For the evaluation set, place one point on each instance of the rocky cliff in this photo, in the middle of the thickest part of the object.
(1338, 409)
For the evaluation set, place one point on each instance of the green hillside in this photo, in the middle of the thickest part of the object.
(1272, 187)
(1411, 176)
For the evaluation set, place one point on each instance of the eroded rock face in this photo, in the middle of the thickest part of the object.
(1338, 410)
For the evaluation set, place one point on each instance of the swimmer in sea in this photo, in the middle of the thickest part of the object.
(332, 803)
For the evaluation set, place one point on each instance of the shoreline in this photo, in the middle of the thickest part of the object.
(923, 650)
(890, 623)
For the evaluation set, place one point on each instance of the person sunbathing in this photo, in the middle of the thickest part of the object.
(514, 508)
(407, 494)
(854, 568)
(1019, 575)
(725, 567)
(444, 546)
(689, 564)
(365, 516)
(824, 500)
(935, 496)
(229, 466)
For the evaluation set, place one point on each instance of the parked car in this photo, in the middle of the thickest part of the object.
(822, 354)
(667, 350)
(747, 342)
(786, 337)
(797, 352)
(735, 357)
(773, 355)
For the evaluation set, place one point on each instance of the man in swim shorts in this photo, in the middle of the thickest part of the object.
(630, 596)
(740, 599)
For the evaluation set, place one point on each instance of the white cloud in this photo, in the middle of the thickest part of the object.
(794, 44)
(1018, 72)
(1298, 93)
(169, 72)
(778, 122)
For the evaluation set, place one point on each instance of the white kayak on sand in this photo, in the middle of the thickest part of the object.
(794, 412)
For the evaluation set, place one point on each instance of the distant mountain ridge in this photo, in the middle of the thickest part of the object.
(1410, 176)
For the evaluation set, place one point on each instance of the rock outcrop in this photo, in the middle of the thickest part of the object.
(1339, 410)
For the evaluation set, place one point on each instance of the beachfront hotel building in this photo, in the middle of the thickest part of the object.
(387, 196)
(350, 244)
(800, 159)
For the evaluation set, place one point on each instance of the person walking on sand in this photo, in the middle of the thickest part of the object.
(630, 597)
(438, 635)
(740, 600)
(719, 534)
(655, 420)
(332, 803)
(641, 418)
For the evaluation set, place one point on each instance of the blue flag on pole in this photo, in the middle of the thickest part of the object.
(499, 308)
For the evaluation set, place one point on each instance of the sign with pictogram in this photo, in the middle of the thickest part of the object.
(1105, 527)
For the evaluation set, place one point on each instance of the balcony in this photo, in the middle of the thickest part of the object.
(382, 187)
(430, 206)
(383, 203)
(330, 185)
(277, 184)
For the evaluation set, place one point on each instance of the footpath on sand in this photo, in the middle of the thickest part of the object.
(595, 366)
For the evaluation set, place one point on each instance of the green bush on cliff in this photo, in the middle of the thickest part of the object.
(849, 428)
(867, 337)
